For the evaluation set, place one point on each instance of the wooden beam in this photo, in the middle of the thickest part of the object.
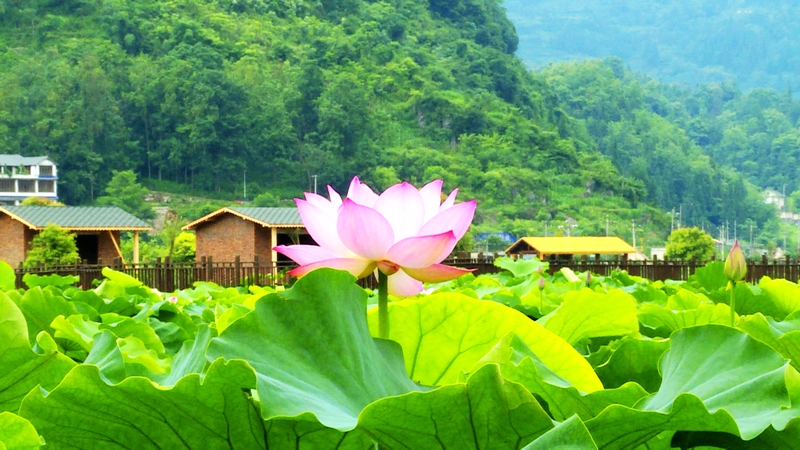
(116, 246)
(136, 247)
(273, 240)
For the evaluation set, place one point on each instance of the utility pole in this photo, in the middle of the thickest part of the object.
(722, 238)
(633, 231)
(751, 239)
(245, 185)
(672, 222)
(680, 214)
(734, 230)
(315, 183)
(607, 227)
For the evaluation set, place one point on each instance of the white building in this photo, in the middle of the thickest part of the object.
(27, 176)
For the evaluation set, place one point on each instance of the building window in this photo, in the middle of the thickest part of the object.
(6, 185)
(46, 170)
(26, 185)
(47, 186)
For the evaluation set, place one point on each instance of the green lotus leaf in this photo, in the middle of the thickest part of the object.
(124, 327)
(122, 279)
(784, 294)
(521, 267)
(76, 329)
(685, 299)
(312, 351)
(633, 360)
(568, 435)
(783, 337)
(486, 412)
(20, 368)
(709, 278)
(107, 356)
(444, 334)
(306, 433)
(8, 279)
(715, 378)
(41, 307)
(33, 280)
(668, 321)
(587, 314)
(17, 433)
(213, 413)
(190, 358)
(519, 364)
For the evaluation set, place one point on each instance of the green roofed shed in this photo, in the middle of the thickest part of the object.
(97, 228)
(248, 232)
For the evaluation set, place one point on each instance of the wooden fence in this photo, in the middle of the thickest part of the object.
(168, 276)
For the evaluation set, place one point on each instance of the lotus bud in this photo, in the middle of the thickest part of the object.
(735, 264)
(541, 283)
(540, 270)
(588, 278)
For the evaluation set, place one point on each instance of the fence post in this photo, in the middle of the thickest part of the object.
(210, 269)
(169, 282)
(237, 264)
(256, 270)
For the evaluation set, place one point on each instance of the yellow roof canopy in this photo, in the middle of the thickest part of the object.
(571, 245)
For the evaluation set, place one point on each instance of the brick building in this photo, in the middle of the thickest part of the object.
(246, 232)
(97, 230)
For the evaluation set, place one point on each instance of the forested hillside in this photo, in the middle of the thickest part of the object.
(688, 41)
(192, 93)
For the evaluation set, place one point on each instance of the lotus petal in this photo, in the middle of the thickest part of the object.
(436, 273)
(449, 201)
(457, 218)
(359, 268)
(361, 193)
(336, 199)
(305, 254)
(403, 207)
(402, 285)
(420, 252)
(431, 197)
(322, 227)
(364, 231)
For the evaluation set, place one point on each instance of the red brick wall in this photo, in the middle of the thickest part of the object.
(262, 244)
(225, 237)
(13, 243)
(106, 252)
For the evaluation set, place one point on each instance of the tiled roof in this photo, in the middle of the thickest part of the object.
(273, 216)
(19, 160)
(575, 245)
(267, 217)
(76, 217)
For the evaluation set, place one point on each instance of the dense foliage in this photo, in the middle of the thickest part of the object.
(691, 42)
(52, 246)
(611, 362)
(690, 244)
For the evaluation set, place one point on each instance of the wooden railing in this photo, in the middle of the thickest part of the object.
(168, 276)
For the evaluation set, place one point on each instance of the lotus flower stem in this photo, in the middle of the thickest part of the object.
(383, 305)
(733, 302)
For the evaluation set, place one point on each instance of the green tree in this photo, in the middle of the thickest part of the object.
(185, 246)
(690, 243)
(123, 191)
(51, 246)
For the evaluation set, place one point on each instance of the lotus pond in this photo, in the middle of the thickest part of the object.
(487, 362)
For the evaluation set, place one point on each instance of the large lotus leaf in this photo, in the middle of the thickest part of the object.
(444, 334)
(685, 299)
(633, 360)
(648, 293)
(668, 321)
(588, 314)
(20, 368)
(107, 356)
(312, 351)
(521, 267)
(486, 412)
(306, 433)
(33, 280)
(710, 278)
(8, 279)
(784, 294)
(41, 307)
(85, 412)
(715, 378)
(568, 435)
(190, 358)
(75, 328)
(124, 327)
(519, 364)
(784, 337)
(17, 433)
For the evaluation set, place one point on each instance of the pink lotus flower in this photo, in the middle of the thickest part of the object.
(403, 232)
